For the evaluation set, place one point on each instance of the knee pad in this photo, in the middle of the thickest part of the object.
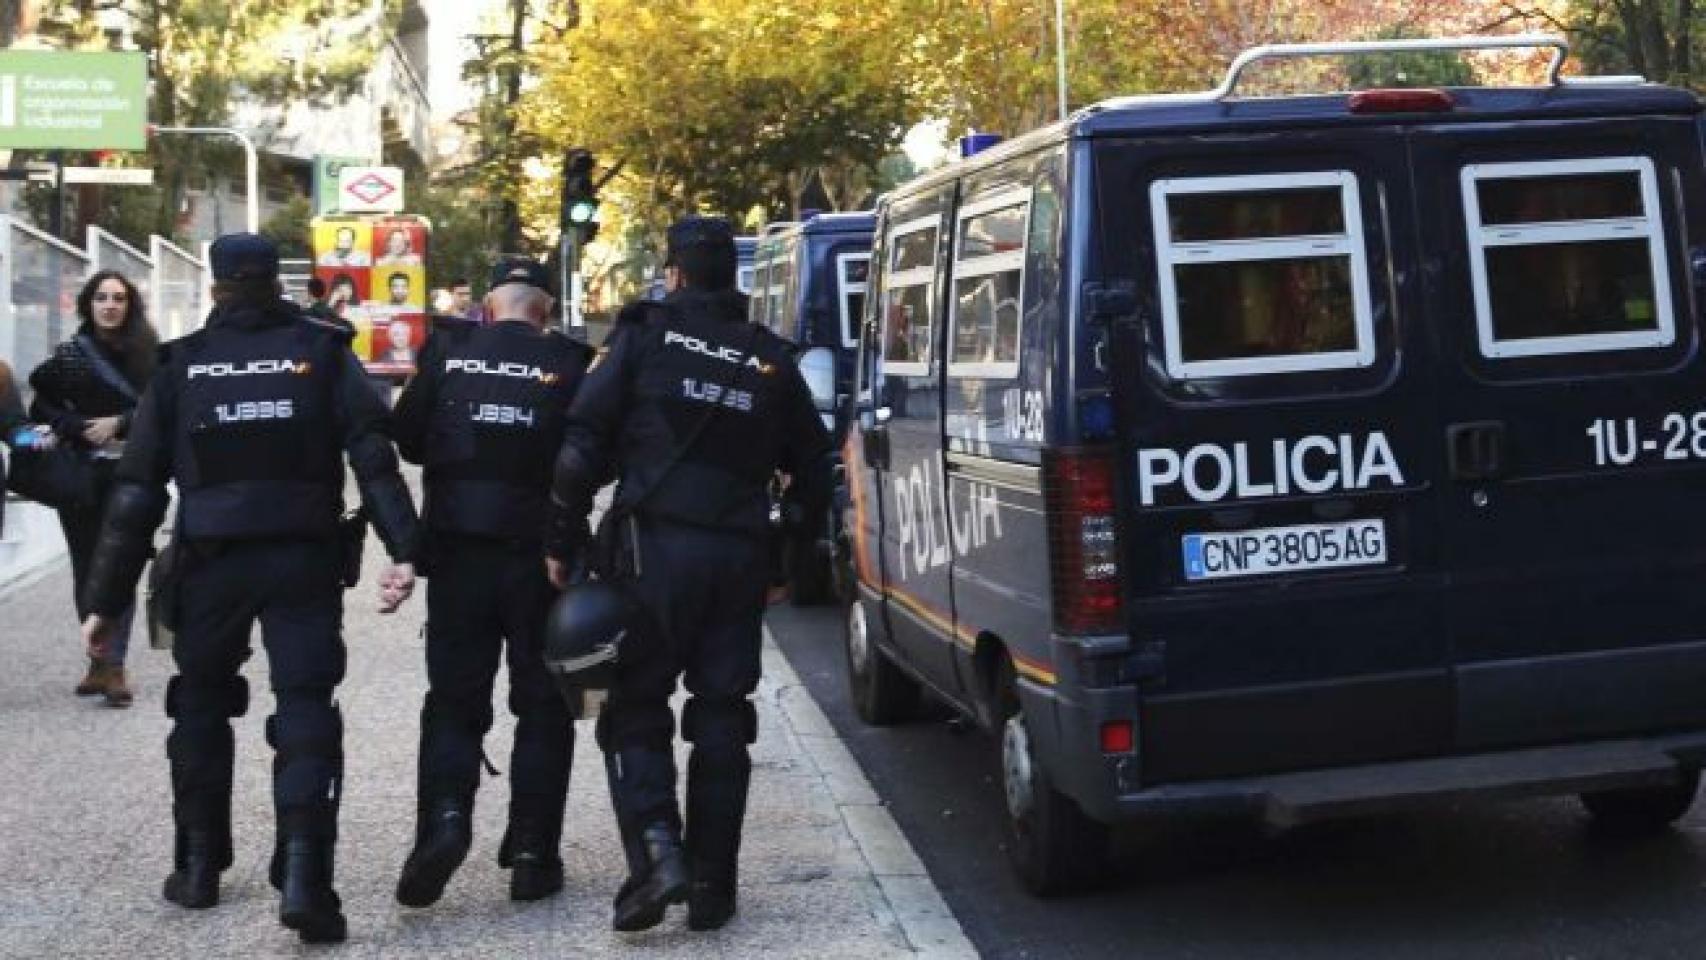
(709, 723)
(299, 730)
(471, 714)
(228, 700)
(623, 727)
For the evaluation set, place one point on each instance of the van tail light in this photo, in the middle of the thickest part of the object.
(1080, 494)
(1420, 100)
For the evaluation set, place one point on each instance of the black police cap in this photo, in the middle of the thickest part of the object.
(520, 270)
(711, 234)
(244, 256)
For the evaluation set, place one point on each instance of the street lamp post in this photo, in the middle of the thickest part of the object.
(251, 162)
(1060, 53)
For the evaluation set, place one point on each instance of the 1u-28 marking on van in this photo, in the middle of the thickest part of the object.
(1621, 442)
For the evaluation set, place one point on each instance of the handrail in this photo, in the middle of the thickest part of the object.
(1285, 51)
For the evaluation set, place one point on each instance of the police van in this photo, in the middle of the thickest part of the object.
(1295, 457)
(809, 288)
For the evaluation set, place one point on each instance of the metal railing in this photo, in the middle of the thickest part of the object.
(179, 304)
(108, 252)
(39, 280)
(40, 277)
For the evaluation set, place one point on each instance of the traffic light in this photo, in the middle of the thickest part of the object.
(580, 200)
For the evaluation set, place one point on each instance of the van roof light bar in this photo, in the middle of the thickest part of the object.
(1289, 51)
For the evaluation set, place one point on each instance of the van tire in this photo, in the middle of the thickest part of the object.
(882, 694)
(1642, 809)
(1053, 846)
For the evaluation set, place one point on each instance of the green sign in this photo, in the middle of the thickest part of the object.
(61, 100)
(326, 180)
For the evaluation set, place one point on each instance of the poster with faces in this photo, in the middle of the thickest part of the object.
(375, 275)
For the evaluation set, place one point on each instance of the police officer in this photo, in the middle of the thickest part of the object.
(485, 416)
(250, 416)
(693, 410)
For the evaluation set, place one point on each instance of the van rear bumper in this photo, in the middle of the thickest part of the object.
(1289, 799)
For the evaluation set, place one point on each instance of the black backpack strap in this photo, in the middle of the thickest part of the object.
(107, 373)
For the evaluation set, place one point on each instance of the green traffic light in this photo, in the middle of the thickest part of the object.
(582, 211)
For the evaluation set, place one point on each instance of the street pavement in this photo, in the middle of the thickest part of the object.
(1500, 881)
(85, 832)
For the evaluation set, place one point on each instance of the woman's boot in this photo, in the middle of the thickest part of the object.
(118, 691)
(95, 681)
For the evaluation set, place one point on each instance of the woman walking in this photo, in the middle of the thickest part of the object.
(86, 391)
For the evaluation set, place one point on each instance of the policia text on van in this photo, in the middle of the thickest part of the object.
(1292, 456)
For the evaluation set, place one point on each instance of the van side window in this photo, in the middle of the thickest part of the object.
(908, 305)
(776, 283)
(760, 289)
(989, 273)
(1262, 274)
(853, 270)
(1567, 256)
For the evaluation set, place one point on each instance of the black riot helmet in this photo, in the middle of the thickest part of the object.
(590, 626)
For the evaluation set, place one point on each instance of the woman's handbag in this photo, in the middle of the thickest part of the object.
(62, 478)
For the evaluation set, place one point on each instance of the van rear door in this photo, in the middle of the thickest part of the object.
(1573, 394)
(1278, 431)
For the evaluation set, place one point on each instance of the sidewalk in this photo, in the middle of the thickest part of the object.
(85, 833)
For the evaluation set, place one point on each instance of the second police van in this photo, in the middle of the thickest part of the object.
(809, 282)
(1292, 457)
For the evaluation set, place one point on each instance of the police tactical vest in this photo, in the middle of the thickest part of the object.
(699, 364)
(502, 396)
(258, 451)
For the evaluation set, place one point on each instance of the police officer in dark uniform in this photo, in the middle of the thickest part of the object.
(693, 410)
(485, 416)
(251, 416)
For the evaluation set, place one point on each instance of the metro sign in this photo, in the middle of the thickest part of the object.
(370, 189)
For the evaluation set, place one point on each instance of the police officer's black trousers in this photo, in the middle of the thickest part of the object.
(292, 588)
(704, 591)
(480, 593)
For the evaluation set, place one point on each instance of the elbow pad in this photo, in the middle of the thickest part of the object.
(574, 483)
(132, 514)
(385, 495)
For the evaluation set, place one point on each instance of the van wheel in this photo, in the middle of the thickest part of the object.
(1054, 847)
(1642, 809)
(882, 694)
(811, 576)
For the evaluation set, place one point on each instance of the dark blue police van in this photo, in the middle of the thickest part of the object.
(809, 283)
(1297, 456)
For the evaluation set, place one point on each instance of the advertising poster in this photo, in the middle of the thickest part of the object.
(375, 274)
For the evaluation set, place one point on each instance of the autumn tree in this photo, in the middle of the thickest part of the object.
(728, 105)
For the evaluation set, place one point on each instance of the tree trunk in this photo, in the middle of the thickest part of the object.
(511, 214)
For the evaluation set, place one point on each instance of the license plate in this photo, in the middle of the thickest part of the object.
(1270, 550)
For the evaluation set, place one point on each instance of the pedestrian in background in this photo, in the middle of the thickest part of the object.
(16, 432)
(484, 415)
(87, 391)
(252, 417)
(693, 410)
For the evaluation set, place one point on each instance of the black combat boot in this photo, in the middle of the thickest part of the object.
(660, 880)
(530, 852)
(307, 902)
(443, 834)
(717, 782)
(196, 863)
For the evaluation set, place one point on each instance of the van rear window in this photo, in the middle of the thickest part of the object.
(1262, 274)
(1567, 256)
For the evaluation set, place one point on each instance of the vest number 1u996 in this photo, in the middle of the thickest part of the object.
(1621, 442)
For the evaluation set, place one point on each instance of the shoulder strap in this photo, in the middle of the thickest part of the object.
(698, 430)
(105, 370)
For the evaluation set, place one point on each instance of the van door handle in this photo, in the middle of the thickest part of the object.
(1478, 451)
(877, 447)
